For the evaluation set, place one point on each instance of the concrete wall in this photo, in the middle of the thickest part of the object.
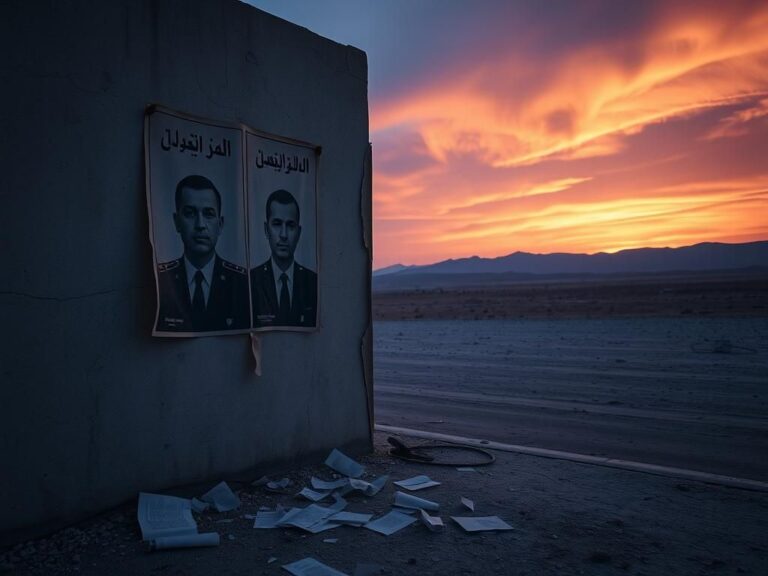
(92, 408)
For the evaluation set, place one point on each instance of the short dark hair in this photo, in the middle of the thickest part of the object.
(196, 182)
(282, 197)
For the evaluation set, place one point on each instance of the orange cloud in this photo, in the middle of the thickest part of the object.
(524, 153)
(689, 65)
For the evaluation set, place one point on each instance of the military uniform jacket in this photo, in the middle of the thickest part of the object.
(265, 302)
(227, 307)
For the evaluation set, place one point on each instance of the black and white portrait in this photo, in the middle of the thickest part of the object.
(282, 208)
(197, 221)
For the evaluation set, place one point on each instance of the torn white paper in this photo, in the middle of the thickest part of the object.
(465, 469)
(350, 518)
(161, 516)
(417, 483)
(482, 523)
(390, 523)
(267, 519)
(411, 501)
(313, 495)
(434, 523)
(305, 518)
(377, 485)
(338, 505)
(311, 567)
(468, 503)
(318, 484)
(367, 488)
(221, 498)
(188, 541)
(343, 464)
(331, 540)
(405, 510)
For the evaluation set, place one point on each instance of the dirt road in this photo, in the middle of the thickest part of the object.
(645, 389)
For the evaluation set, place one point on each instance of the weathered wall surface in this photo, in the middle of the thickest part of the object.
(92, 408)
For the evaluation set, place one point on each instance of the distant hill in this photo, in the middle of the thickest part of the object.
(524, 266)
(390, 269)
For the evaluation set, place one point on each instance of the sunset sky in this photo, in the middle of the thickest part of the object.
(590, 126)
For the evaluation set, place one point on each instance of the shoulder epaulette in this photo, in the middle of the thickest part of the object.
(166, 266)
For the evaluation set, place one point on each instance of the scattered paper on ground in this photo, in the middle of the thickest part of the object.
(331, 540)
(410, 501)
(165, 516)
(367, 488)
(482, 523)
(390, 523)
(311, 567)
(187, 541)
(466, 469)
(313, 518)
(343, 464)
(468, 503)
(417, 483)
(405, 510)
(339, 504)
(313, 495)
(305, 517)
(221, 498)
(267, 519)
(434, 523)
(350, 518)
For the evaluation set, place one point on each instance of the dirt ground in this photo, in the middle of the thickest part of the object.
(568, 518)
(665, 296)
(650, 390)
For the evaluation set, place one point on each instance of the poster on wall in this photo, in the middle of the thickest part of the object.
(282, 225)
(202, 200)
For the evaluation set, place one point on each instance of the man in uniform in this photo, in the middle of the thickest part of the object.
(283, 292)
(200, 291)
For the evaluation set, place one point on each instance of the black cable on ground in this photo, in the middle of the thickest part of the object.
(421, 455)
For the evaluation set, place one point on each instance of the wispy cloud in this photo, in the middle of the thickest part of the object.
(740, 122)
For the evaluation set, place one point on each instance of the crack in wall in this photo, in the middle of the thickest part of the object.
(59, 298)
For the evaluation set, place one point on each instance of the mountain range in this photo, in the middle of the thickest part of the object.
(522, 266)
